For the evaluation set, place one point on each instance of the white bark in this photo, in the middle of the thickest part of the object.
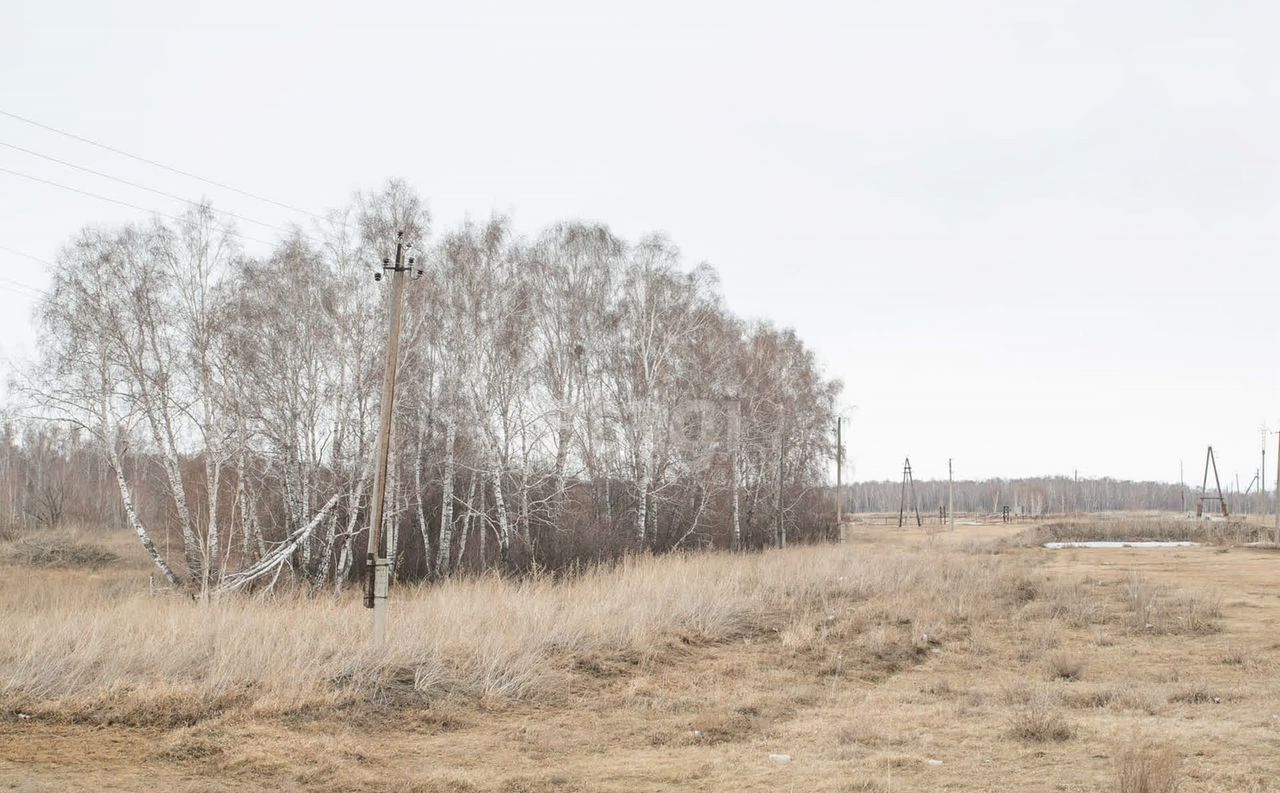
(446, 500)
(144, 537)
(277, 557)
(504, 523)
(423, 527)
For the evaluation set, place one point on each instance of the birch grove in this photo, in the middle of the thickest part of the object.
(563, 398)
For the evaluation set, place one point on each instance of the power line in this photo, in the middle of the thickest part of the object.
(25, 255)
(176, 218)
(148, 189)
(169, 168)
(19, 288)
(34, 290)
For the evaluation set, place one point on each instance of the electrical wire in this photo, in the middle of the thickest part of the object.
(25, 255)
(176, 218)
(30, 291)
(160, 165)
(172, 196)
(8, 285)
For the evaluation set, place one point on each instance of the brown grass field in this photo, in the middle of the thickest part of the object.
(903, 660)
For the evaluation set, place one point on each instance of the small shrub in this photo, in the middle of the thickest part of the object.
(1040, 722)
(1064, 666)
(1148, 768)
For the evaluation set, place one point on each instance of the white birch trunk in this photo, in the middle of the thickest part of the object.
(126, 499)
(504, 524)
(482, 525)
(446, 502)
(423, 527)
(737, 525)
(642, 501)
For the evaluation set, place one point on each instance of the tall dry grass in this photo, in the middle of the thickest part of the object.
(1127, 528)
(1148, 767)
(86, 648)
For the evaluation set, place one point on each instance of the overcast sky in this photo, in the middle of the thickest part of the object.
(1037, 237)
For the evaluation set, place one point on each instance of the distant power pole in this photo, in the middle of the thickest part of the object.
(951, 501)
(1182, 487)
(1211, 462)
(377, 569)
(908, 481)
(1278, 489)
(1262, 472)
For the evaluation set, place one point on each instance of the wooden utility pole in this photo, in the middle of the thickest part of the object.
(1278, 488)
(1182, 487)
(951, 501)
(377, 569)
(839, 481)
(780, 531)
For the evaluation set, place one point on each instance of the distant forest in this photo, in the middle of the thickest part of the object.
(1043, 495)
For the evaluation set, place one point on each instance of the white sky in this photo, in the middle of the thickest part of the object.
(1032, 236)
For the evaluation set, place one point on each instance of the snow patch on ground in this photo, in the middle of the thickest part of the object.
(1117, 544)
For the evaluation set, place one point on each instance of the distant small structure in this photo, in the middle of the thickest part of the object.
(1211, 462)
(908, 483)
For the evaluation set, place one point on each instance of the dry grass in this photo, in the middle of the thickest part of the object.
(1130, 528)
(82, 653)
(1117, 696)
(1040, 720)
(58, 551)
(1155, 609)
(1065, 666)
(1148, 768)
(878, 666)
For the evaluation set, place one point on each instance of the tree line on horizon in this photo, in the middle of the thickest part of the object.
(1043, 495)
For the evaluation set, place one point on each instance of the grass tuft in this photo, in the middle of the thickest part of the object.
(1065, 666)
(1039, 720)
(1148, 768)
